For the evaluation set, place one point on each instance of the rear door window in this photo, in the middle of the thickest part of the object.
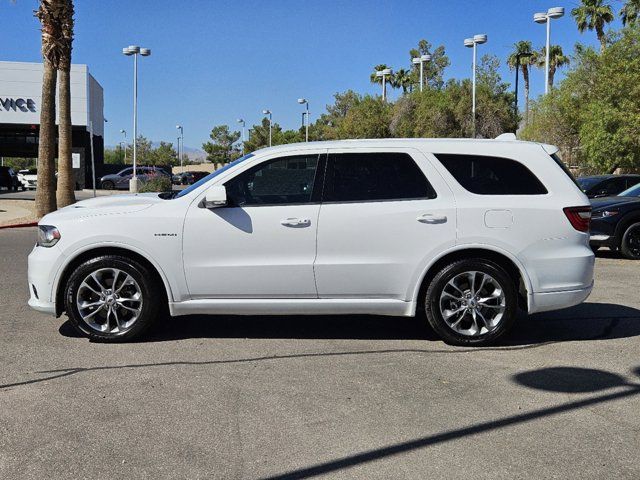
(485, 175)
(375, 176)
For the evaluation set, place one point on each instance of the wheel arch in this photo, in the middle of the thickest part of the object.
(95, 251)
(624, 223)
(514, 268)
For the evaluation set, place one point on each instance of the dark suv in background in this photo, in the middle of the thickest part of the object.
(606, 185)
(9, 179)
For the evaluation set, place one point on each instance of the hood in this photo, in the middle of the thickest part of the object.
(605, 202)
(105, 205)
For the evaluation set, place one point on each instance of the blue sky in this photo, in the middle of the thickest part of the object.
(215, 61)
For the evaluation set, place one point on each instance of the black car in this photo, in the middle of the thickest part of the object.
(607, 185)
(615, 223)
(9, 179)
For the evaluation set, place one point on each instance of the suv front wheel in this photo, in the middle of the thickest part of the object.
(112, 298)
(471, 302)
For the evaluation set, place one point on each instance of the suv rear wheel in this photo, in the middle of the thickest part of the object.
(111, 298)
(471, 302)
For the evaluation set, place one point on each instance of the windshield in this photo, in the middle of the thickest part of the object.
(214, 174)
(586, 183)
(631, 192)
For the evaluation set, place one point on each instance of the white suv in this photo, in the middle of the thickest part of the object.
(464, 231)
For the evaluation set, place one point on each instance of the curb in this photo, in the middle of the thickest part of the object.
(19, 225)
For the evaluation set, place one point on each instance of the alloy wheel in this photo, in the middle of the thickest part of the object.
(472, 303)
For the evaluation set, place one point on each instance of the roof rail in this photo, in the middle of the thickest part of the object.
(506, 136)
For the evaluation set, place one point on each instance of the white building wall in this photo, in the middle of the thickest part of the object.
(21, 80)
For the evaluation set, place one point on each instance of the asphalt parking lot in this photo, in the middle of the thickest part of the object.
(318, 397)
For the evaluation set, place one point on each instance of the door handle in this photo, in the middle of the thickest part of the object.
(432, 218)
(296, 222)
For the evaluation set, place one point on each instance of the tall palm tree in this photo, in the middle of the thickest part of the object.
(557, 59)
(402, 79)
(52, 50)
(66, 179)
(593, 15)
(630, 12)
(522, 57)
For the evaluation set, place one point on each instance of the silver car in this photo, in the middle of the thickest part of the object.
(121, 179)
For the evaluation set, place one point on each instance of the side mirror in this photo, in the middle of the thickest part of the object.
(215, 197)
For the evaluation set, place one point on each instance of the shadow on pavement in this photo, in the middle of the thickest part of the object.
(557, 379)
(588, 321)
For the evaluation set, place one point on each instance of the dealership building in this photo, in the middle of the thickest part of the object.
(20, 101)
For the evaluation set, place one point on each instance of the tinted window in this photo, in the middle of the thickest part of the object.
(374, 176)
(492, 175)
(285, 180)
(612, 186)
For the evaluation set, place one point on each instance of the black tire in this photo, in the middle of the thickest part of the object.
(451, 271)
(150, 310)
(630, 245)
(108, 185)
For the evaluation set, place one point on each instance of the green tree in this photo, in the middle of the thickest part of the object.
(369, 118)
(522, 56)
(402, 79)
(594, 113)
(557, 59)
(593, 15)
(163, 154)
(222, 148)
(434, 68)
(113, 156)
(630, 12)
(143, 151)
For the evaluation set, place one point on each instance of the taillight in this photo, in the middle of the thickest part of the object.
(580, 217)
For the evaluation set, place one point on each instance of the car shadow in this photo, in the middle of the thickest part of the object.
(588, 321)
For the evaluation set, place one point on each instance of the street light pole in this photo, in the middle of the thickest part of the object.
(268, 112)
(552, 13)
(421, 61)
(303, 101)
(123, 131)
(473, 43)
(383, 74)
(242, 122)
(180, 144)
(145, 52)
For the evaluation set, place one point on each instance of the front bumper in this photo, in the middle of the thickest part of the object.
(43, 266)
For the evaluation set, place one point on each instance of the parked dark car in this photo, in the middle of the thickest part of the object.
(596, 186)
(188, 178)
(615, 223)
(121, 179)
(9, 179)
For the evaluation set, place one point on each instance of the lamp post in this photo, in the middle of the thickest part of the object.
(180, 144)
(384, 74)
(124, 132)
(145, 52)
(555, 12)
(243, 123)
(268, 112)
(472, 43)
(421, 61)
(303, 101)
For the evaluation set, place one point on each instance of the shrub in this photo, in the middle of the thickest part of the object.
(156, 183)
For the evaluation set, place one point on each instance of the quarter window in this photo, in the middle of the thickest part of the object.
(353, 177)
(282, 181)
(485, 175)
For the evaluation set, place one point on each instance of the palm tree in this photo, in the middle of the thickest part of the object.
(593, 15)
(521, 57)
(52, 50)
(630, 12)
(557, 59)
(376, 79)
(401, 79)
(66, 179)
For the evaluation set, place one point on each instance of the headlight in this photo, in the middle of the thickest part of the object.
(48, 235)
(604, 214)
